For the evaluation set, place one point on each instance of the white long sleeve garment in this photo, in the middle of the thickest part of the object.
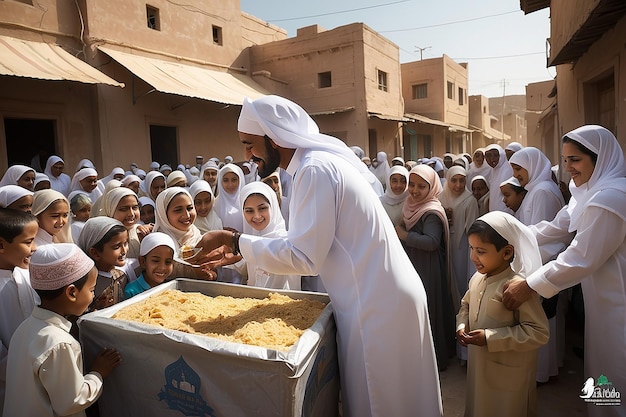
(340, 230)
(45, 371)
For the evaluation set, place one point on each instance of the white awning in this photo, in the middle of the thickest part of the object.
(389, 117)
(188, 80)
(46, 61)
(427, 120)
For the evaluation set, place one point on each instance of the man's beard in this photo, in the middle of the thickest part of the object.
(271, 161)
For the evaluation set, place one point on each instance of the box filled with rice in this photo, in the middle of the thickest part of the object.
(216, 349)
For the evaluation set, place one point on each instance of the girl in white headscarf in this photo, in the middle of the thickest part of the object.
(480, 190)
(395, 193)
(84, 163)
(131, 181)
(175, 215)
(21, 175)
(147, 210)
(42, 182)
(206, 218)
(122, 204)
(59, 180)
(176, 178)
(230, 181)
(152, 185)
(16, 198)
(263, 218)
(382, 169)
(117, 173)
(52, 211)
(97, 208)
(478, 166)
(500, 171)
(209, 174)
(596, 254)
(86, 180)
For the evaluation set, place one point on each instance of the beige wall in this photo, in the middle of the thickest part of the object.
(430, 72)
(541, 118)
(565, 20)
(604, 56)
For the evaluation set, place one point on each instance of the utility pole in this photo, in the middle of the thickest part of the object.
(421, 50)
(502, 114)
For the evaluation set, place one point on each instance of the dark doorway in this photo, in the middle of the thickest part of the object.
(372, 142)
(27, 138)
(163, 145)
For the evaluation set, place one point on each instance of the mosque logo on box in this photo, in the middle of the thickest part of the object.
(182, 390)
(600, 392)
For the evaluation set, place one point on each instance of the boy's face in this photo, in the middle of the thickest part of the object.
(54, 217)
(181, 213)
(113, 253)
(157, 265)
(511, 199)
(203, 203)
(82, 298)
(127, 211)
(486, 258)
(23, 204)
(256, 211)
(18, 252)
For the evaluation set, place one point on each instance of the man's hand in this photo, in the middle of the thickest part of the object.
(215, 239)
(516, 292)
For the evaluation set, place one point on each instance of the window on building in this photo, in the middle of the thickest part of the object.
(152, 13)
(461, 96)
(324, 79)
(420, 91)
(217, 35)
(382, 80)
(450, 90)
(600, 101)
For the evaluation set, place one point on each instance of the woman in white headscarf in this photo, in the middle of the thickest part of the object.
(395, 193)
(86, 180)
(184, 234)
(500, 171)
(59, 180)
(544, 199)
(21, 175)
(257, 223)
(595, 256)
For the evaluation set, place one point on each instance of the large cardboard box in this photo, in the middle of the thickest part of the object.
(172, 373)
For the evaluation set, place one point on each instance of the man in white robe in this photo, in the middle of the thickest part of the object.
(340, 230)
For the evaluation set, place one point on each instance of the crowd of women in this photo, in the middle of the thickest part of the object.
(432, 203)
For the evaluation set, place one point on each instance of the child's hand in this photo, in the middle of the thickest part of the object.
(476, 337)
(106, 360)
(460, 337)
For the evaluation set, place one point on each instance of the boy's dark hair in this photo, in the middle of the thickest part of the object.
(12, 223)
(114, 231)
(582, 148)
(487, 234)
(52, 294)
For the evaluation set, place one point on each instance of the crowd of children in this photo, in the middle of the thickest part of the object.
(70, 244)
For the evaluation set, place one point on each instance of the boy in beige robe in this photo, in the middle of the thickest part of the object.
(502, 344)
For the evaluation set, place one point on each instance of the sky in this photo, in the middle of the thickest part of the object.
(505, 49)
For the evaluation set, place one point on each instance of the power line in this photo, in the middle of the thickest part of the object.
(341, 11)
(448, 23)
